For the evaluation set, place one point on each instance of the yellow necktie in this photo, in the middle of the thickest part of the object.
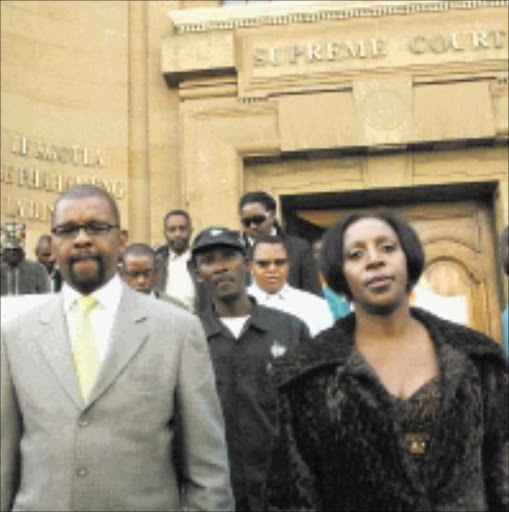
(85, 355)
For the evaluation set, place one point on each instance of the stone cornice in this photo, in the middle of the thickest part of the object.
(231, 18)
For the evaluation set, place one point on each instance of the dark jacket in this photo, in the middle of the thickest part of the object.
(303, 270)
(339, 447)
(28, 277)
(55, 280)
(248, 398)
(202, 297)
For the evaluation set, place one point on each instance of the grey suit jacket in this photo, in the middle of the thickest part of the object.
(113, 452)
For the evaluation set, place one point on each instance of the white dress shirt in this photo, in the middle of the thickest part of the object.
(179, 283)
(101, 317)
(311, 309)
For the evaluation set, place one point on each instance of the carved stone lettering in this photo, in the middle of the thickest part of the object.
(40, 150)
(376, 47)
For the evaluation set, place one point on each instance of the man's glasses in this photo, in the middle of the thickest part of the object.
(142, 273)
(92, 228)
(255, 219)
(279, 262)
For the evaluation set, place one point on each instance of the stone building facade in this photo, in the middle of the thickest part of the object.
(329, 106)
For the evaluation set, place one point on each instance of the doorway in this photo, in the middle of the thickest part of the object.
(456, 226)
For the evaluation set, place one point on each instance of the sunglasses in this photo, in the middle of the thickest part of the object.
(141, 273)
(280, 262)
(255, 219)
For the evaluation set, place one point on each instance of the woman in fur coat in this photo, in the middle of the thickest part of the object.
(392, 408)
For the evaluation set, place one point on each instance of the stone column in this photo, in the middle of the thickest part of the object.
(139, 185)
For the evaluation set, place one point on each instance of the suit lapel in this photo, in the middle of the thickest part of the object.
(129, 332)
(53, 339)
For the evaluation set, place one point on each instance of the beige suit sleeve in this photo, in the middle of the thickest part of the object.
(10, 429)
(203, 452)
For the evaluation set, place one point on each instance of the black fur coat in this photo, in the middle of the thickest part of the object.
(338, 445)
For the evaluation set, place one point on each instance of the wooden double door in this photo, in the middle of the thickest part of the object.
(462, 264)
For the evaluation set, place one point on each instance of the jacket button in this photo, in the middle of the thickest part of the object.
(83, 423)
(81, 471)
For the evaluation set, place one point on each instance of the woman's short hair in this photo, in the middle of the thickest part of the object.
(331, 257)
(258, 196)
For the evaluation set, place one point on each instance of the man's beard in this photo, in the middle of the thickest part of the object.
(89, 283)
(179, 246)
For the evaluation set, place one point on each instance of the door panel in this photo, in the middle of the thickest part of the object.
(453, 270)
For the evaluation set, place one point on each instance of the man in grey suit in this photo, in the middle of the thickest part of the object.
(89, 401)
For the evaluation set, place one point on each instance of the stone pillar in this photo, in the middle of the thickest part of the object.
(139, 185)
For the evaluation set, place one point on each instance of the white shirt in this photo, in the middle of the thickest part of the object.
(234, 324)
(311, 309)
(101, 317)
(179, 283)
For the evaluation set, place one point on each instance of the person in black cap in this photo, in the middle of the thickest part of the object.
(244, 339)
(18, 275)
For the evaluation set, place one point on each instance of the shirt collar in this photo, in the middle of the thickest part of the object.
(285, 291)
(212, 325)
(172, 256)
(108, 296)
(257, 292)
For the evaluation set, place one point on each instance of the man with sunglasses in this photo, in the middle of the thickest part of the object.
(258, 218)
(138, 270)
(92, 383)
(269, 269)
(244, 341)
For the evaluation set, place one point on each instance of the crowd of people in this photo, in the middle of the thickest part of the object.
(242, 370)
